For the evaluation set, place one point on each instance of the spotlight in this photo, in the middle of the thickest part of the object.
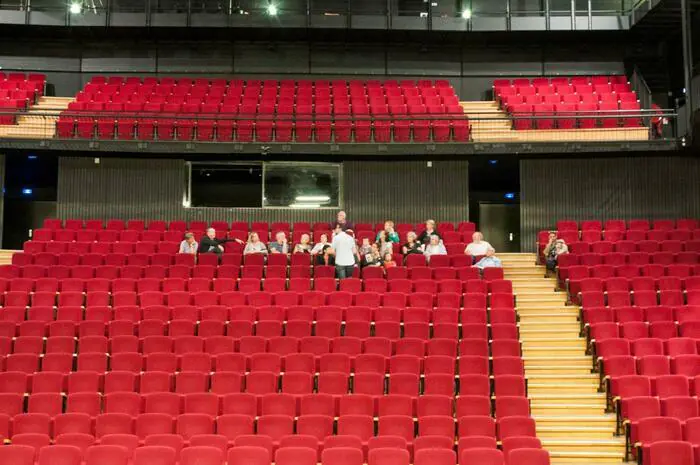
(272, 9)
(27, 191)
(509, 195)
(467, 14)
(76, 8)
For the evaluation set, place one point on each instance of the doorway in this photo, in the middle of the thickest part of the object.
(500, 224)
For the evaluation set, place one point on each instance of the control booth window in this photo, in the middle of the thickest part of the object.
(227, 185)
(302, 185)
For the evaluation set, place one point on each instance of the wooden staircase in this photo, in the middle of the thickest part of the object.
(39, 122)
(570, 412)
(489, 123)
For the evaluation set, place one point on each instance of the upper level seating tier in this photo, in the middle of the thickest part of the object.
(265, 111)
(18, 92)
(583, 102)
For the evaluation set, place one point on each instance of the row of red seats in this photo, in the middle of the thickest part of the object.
(654, 366)
(118, 399)
(280, 425)
(622, 225)
(689, 257)
(658, 271)
(261, 298)
(565, 102)
(221, 272)
(283, 83)
(621, 239)
(69, 449)
(359, 131)
(681, 314)
(581, 116)
(87, 235)
(230, 352)
(19, 92)
(561, 80)
(646, 299)
(433, 286)
(646, 346)
(638, 285)
(180, 225)
(632, 330)
(189, 362)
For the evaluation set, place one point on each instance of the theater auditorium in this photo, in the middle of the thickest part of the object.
(349, 232)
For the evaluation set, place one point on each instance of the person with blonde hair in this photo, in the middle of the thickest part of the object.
(478, 246)
(390, 234)
(430, 230)
(254, 245)
(189, 244)
(304, 245)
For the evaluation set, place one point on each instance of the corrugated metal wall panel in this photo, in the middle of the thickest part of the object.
(153, 189)
(605, 188)
(407, 191)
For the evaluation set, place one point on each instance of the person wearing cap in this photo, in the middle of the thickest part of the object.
(345, 251)
(189, 245)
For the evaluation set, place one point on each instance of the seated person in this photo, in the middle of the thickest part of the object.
(389, 233)
(323, 252)
(412, 245)
(210, 244)
(435, 247)
(189, 245)
(373, 258)
(280, 244)
(366, 247)
(430, 230)
(489, 261)
(553, 251)
(304, 245)
(254, 245)
(389, 260)
(477, 246)
(385, 245)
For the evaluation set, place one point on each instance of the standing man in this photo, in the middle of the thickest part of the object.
(345, 251)
(341, 222)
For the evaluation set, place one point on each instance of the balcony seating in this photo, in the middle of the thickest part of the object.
(208, 110)
(583, 102)
(19, 92)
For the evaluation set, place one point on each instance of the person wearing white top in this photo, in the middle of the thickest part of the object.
(435, 247)
(478, 246)
(345, 250)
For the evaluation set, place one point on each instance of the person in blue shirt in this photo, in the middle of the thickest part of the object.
(489, 261)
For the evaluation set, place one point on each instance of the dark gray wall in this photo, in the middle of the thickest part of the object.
(605, 188)
(471, 67)
(153, 189)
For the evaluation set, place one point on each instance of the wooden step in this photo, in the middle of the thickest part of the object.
(594, 456)
(592, 446)
(554, 342)
(545, 317)
(561, 387)
(529, 351)
(563, 409)
(575, 432)
(534, 376)
(574, 420)
(556, 361)
(595, 399)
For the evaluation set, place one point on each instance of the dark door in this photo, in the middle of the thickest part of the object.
(500, 225)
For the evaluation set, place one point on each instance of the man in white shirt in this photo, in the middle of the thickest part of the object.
(478, 246)
(345, 251)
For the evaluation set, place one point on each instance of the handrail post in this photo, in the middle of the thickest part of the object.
(687, 66)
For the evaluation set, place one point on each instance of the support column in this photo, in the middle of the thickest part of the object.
(687, 65)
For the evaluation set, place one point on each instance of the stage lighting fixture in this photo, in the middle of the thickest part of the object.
(467, 14)
(272, 9)
(76, 8)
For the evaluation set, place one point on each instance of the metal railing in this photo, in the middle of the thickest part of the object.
(588, 127)
(233, 13)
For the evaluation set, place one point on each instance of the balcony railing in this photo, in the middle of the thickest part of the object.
(579, 127)
(478, 15)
